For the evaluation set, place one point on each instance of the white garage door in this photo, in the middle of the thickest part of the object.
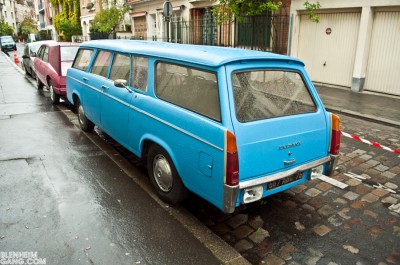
(384, 58)
(328, 47)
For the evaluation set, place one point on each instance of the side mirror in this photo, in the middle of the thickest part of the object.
(25, 56)
(122, 83)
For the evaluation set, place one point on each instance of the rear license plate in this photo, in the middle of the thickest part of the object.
(283, 181)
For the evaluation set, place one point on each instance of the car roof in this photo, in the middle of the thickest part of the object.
(199, 54)
(55, 43)
(39, 42)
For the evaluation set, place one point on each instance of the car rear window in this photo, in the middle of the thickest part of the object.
(7, 39)
(68, 53)
(264, 94)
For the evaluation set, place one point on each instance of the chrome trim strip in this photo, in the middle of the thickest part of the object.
(332, 165)
(230, 197)
(152, 116)
(266, 179)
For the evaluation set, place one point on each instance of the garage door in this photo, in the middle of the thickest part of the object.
(328, 47)
(384, 57)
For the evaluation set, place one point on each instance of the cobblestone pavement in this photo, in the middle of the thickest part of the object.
(317, 223)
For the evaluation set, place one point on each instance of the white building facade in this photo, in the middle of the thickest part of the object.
(8, 13)
(355, 44)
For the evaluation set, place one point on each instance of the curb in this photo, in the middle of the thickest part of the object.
(364, 116)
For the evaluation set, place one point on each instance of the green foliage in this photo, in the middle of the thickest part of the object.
(5, 29)
(226, 9)
(68, 29)
(28, 25)
(67, 22)
(311, 8)
(106, 20)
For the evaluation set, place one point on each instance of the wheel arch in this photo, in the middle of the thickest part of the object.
(148, 140)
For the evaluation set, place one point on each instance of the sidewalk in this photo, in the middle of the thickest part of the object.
(375, 107)
(64, 198)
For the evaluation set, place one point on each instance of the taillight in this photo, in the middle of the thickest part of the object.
(335, 135)
(232, 160)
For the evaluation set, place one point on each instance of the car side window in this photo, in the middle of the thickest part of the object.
(101, 64)
(192, 89)
(120, 68)
(46, 54)
(83, 59)
(139, 73)
(39, 53)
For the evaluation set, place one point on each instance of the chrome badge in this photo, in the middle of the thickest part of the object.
(283, 147)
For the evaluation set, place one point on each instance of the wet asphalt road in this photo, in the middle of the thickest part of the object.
(62, 197)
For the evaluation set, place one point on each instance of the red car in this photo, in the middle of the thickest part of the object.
(51, 65)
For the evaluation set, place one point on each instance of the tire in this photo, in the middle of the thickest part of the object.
(39, 83)
(55, 98)
(85, 124)
(32, 73)
(164, 177)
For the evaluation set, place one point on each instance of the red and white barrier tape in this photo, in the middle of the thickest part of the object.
(355, 137)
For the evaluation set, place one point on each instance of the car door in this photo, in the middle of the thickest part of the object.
(278, 118)
(80, 81)
(38, 61)
(115, 100)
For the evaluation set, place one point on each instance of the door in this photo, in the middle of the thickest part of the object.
(115, 100)
(328, 47)
(278, 120)
(39, 62)
(384, 58)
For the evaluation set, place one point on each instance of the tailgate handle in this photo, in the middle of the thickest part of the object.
(289, 162)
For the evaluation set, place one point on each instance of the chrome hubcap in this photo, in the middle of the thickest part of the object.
(51, 92)
(81, 114)
(162, 173)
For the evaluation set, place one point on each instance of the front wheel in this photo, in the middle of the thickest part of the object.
(55, 98)
(85, 124)
(164, 177)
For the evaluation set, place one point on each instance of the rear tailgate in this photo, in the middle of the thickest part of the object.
(278, 119)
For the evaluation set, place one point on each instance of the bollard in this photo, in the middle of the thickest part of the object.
(16, 60)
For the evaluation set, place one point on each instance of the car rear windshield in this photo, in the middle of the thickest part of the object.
(264, 94)
(68, 53)
(7, 39)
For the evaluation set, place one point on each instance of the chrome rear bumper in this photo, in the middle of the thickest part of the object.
(231, 192)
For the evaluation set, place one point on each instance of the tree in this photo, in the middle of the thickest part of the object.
(28, 25)
(68, 19)
(227, 9)
(106, 20)
(5, 29)
(68, 29)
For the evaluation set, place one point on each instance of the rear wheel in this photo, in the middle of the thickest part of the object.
(85, 124)
(39, 83)
(164, 177)
(55, 98)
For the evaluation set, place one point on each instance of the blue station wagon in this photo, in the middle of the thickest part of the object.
(230, 125)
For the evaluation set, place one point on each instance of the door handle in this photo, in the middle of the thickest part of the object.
(85, 79)
(104, 87)
(289, 162)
